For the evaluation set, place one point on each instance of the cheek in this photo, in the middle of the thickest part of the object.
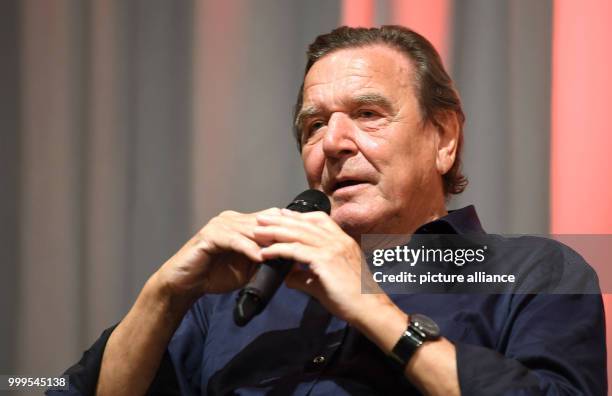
(414, 168)
(313, 161)
(372, 144)
(376, 151)
(402, 163)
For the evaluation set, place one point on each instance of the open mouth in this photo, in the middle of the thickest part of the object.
(346, 183)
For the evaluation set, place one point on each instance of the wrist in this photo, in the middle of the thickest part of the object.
(160, 297)
(421, 330)
(381, 321)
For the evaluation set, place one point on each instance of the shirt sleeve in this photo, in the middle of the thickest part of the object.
(554, 345)
(184, 349)
(83, 376)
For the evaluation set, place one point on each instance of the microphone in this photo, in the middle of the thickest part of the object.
(254, 297)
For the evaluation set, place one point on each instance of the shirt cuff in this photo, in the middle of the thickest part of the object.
(483, 371)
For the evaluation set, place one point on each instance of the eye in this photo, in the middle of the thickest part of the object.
(310, 129)
(315, 125)
(366, 114)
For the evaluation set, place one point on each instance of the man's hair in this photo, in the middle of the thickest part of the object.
(434, 88)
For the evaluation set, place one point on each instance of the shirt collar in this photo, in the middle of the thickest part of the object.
(460, 221)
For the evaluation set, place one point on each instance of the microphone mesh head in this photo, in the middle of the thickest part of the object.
(312, 200)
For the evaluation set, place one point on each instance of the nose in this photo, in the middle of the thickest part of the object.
(339, 139)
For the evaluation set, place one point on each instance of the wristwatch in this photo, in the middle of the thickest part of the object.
(420, 329)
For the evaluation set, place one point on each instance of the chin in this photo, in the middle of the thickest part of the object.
(355, 219)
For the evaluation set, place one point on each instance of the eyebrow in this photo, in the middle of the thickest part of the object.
(359, 100)
(305, 113)
(373, 99)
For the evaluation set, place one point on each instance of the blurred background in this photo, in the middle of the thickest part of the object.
(126, 125)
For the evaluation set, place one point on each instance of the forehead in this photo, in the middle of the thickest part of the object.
(358, 71)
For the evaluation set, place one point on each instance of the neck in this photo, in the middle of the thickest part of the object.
(426, 208)
(415, 219)
(419, 213)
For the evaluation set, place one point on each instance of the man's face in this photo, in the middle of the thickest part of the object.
(364, 143)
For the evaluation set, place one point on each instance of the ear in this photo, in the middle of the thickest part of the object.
(447, 139)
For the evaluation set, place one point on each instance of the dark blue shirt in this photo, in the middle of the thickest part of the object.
(507, 344)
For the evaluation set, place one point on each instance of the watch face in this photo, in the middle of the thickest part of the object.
(426, 325)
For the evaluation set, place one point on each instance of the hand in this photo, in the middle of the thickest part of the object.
(328, 261)
(220, 258)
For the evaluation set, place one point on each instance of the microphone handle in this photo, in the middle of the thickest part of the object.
(260, 290)
(268, 278)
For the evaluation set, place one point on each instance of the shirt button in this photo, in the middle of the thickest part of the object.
(318, 359)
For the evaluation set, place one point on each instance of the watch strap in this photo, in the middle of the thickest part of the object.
(420, 329)
(406, 346)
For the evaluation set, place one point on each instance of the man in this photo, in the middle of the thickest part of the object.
(379, 126)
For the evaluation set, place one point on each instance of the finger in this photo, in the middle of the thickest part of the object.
(270, 211)
(296, 223)
(267, 235)
(303, 280)
(235, 242)
(314, 216)
(318, 218)
(290, 250)
(244, 223)
(247, 247)
(248, 219)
